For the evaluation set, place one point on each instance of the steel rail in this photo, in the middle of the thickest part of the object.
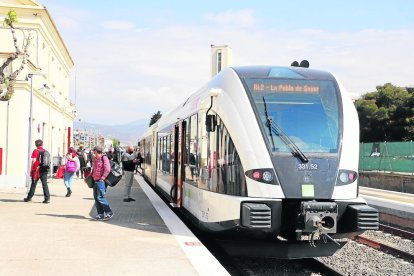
(321, 267)
(396, 231)
(385, 248)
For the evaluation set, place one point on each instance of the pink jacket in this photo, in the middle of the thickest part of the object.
(101, 168)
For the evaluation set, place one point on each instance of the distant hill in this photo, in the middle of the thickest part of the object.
(127, 133)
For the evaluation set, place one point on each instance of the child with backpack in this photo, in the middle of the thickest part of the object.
(72, 165)
(39, 169)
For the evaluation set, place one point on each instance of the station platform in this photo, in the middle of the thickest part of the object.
(143, 238)
(395, 207)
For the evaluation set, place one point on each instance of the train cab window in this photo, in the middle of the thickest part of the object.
(191, 166)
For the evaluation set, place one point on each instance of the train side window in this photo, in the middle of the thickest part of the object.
(187, 135)
(142, 149)
(172, 147)
(191, 167)
(168, 155)
(160, 153)
(203, 152)
(147, 156)
(164, 152)
(236, 180)
(220, 169)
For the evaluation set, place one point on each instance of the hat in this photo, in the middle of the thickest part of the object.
(98, 149)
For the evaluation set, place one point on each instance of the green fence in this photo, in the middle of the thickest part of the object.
(387, 156)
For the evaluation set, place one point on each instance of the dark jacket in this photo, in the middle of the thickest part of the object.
(128, 163)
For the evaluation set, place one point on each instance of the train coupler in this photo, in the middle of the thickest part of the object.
(317, 219)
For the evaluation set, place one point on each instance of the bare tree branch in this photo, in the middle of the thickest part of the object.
(9, 81)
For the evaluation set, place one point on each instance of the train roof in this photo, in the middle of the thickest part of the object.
(187, 106)
(281, 72)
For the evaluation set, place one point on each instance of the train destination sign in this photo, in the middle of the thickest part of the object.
(286, 88)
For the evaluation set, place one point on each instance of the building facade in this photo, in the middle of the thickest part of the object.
(85, 138)
(53, 113)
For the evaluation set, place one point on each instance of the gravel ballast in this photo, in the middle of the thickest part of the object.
(353, 259)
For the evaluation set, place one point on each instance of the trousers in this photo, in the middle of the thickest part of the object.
(99, 191)
(129, 178)
(43, 179)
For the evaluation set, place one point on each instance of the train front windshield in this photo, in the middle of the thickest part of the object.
(297, 111)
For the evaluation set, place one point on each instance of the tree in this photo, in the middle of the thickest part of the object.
(386, 114)
(155, 118)
(115, 143)
(7, 81)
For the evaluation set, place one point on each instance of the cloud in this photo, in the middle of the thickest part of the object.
(122, 77)
(118, 25)
(132, 77)
(68, 24)
(69, 19)
(241, 18)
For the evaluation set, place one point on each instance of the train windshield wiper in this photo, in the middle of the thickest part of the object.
(274, 128)
(294, 149)
(269, 124)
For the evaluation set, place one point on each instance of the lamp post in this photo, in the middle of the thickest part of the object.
(29, 147)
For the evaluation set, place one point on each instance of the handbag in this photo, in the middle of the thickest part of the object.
(71, 166)
(114, 175)
(60, 172)
(89, 181)
(87, 171)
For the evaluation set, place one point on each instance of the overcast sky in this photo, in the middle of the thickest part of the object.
(133, 58)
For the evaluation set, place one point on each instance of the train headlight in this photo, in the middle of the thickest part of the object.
(346, 177)
(262, 175)
(343, 176)
(267, 176)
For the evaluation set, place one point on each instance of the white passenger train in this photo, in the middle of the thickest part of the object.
(265, 152)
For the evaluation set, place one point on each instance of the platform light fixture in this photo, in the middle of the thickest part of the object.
(29, 147)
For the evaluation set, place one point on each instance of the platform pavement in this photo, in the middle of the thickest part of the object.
(60, 238)
(390, 202)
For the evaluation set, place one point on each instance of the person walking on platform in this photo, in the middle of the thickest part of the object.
(39, 171)
(101, 169)
(72, 166)
(82, 162)
(117, 155)
(90, 158)
(129, 161)
(139, 161)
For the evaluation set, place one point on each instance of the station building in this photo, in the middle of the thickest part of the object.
(53, 112)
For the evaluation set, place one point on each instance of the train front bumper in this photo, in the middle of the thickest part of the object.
(337, 218)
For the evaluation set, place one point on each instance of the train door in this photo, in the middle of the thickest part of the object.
(182, 155)
(154, 155)
(179, 155)
(144, 162)
(174, 161)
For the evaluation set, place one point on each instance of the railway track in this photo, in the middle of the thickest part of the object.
(321, 267)
(387, 248)
(396, 231)
(241, 267)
